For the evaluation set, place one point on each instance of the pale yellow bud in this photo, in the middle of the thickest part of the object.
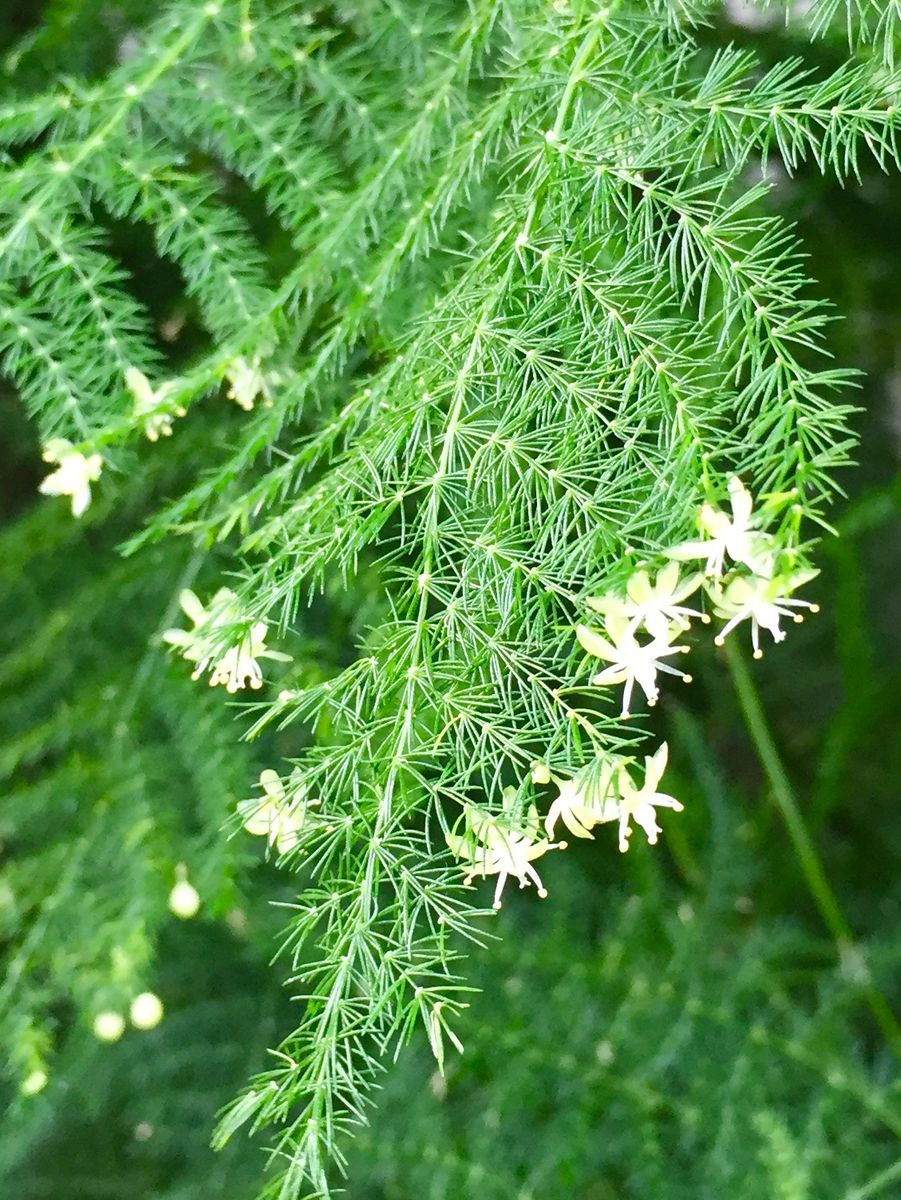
(146, 1011)
(109, 1026)
(33, 1083)
(184, 900)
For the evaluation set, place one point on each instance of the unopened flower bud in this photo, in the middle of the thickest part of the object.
(109, 1026)
(33, 1083)
(540, 773)
(146, 1011)
(184, 900)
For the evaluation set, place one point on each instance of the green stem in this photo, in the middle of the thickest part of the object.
(576, 75)
(812, 868)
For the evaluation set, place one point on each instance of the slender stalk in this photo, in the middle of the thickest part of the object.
(877, 1184)
(850, 954)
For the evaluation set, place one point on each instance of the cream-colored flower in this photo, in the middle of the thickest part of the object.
(657, 606)
(734, 537)
(74, 474)
(238, 667)
(235, 667)
(154, 408)
(274, 815)
(494, 845)
(588, 799)
(630, 661)
(763, 602)
(247, 382)
(640, 804)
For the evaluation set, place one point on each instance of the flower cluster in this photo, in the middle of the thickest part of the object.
(740, 577)
(507, 843)
(743, 579)
(608, 792)
(74, 474)
(235, 667)
(274, 815)
(157, 407)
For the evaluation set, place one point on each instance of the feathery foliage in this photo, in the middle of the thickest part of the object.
(504, 299)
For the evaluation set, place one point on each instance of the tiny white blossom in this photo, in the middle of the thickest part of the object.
(74, 474)
(656, 605)
(235, 667)
(492, 846)
(152, 407)
(589, 799)
(630, 661)
(763, 602)
(734, 537)
(275, 815)
(247, 382)
(640, 804)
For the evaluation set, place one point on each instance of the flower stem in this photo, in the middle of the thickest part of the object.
(850, 955)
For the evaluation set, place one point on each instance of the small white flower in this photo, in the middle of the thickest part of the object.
(734, 538)
(763, 602)
(238, 666)
(235, 667)
(247, 382)
(630, 661)
(74, 474)
(492, 846)
(152, 407)
(639, 804)
(656, 605)
(589, 799)
(275, 816)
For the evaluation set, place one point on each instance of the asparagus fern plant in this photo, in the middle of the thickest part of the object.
(490, 382)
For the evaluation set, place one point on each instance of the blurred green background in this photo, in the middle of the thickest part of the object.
(679, 1022)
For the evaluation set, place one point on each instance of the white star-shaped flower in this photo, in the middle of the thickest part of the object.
(589, 799)
(656, 605)
(763, 602)
(281, 820)
(74, 474)
(154, 408)
(247, 382)
(237, 666)
(733, 537)
(640, 804)
(494, 846)
(630, 661)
